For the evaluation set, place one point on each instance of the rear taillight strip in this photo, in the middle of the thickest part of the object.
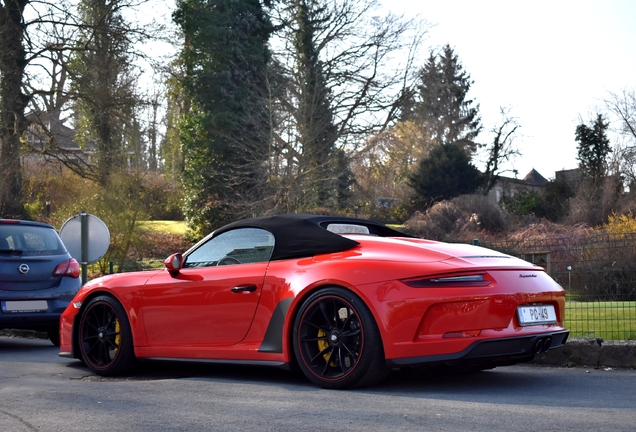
(473, 280)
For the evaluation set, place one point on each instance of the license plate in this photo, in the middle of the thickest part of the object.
(24, 306)
(535, 315)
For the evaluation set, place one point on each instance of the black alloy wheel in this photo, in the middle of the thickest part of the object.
(105, 339)
(337, 342)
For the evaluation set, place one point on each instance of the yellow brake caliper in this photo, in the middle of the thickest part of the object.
(118, 331)
(323, 344)
(113, 352)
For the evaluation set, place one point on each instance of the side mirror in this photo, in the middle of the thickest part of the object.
(174, 263)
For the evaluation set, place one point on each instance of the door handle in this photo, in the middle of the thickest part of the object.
(244, 289)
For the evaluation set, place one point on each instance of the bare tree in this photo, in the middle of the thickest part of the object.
(383, 167)
(502, 149)
(50, 112)
(623, 106)
(38, 39)
(104, 81)
(33, 38)
(363, 65)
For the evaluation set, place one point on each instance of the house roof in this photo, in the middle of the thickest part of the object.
(45, 125)
(534, 178)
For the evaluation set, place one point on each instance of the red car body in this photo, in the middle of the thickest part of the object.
(382, 301)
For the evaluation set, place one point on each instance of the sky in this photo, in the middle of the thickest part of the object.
(553, 63)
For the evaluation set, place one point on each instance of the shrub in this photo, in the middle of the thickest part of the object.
(523, 203)
(594, 203)
(118, 206)
(619, 224)
(161, 198)
(459, 219)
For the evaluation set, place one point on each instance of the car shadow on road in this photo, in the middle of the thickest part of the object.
(22, 344)
(396, 380)
(163, 370)
(442, 384)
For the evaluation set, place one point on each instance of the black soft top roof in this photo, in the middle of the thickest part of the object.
(303, 235)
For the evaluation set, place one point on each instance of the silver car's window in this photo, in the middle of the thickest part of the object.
(239, 246)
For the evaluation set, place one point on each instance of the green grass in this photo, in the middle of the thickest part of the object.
(165, 226)
(612, 320)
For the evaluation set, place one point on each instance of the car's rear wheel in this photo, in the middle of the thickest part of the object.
(54, 335)
(337, 342)
(105, 338)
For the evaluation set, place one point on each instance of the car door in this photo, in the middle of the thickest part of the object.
(213, 299)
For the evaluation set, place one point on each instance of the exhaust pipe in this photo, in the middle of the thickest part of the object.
(546, 344)
(542, 345)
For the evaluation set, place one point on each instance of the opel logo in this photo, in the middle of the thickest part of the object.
(24, 269)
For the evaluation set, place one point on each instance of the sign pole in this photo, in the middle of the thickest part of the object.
(84, 242)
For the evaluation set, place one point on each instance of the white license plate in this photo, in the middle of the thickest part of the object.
(535, 315)
(24, 306)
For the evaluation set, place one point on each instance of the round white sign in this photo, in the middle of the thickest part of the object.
(98, 237)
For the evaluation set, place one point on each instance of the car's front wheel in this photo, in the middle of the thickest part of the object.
(337, 342)
(105, 338)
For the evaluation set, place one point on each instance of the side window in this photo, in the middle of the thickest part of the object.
(239, 246)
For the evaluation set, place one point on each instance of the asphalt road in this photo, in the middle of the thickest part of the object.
(40, 391)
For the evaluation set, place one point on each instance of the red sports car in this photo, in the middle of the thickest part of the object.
(344, 299)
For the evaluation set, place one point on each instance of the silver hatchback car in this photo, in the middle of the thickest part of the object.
(38, 277)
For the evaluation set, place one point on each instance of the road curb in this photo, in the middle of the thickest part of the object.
(593, 352)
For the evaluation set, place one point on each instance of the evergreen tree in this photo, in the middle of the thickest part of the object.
(596, 196)
(441, 106)
(555, 197)
(593, 149)
(224, 129)
(446, 173)
(449, 125)
(317, 133)
(344, 180)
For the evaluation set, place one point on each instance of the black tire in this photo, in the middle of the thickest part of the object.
(105, 339)
(337, 342)
(54, 335)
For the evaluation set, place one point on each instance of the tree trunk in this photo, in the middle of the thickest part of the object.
(12, 106)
